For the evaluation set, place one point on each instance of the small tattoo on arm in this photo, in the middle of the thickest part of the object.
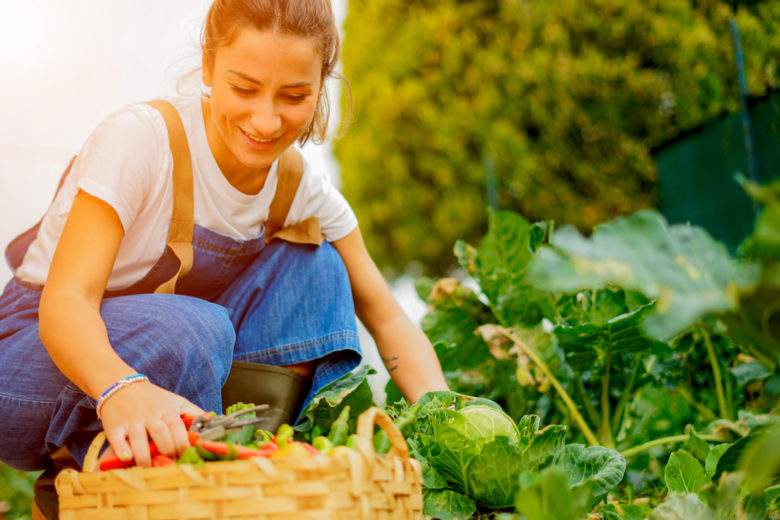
(391, 363)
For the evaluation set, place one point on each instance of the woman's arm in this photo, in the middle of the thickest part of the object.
(74, 333)
(405, 350)
(70, 325)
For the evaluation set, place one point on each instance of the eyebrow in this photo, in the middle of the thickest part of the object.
(258, 82)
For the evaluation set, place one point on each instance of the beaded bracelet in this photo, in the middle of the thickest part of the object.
(120, 383)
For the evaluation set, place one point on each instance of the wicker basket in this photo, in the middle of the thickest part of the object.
(346, 484)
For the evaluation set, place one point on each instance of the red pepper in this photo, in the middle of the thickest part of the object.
(311, 449)
(114, 462)
(188, 419)
(159, 461)
(193, 438)
(224, 449)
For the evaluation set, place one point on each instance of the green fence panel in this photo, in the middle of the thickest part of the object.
(696, 171)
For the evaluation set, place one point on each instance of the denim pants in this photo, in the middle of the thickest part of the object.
(279, 304)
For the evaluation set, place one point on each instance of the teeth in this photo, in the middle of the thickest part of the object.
(256, 139)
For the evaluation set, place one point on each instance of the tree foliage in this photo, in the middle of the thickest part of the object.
(563, 99)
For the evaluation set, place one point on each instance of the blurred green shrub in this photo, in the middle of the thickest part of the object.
(565, 98)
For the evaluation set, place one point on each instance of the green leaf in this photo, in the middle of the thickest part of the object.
(446, 504)
(683, 473)
(697, 446)
(547, 496)
(491, 477)
(683, 507)
(623, 512)
(761, 458)
(500, 264)
(451, 325)
(392, 392)
(350, 390)
(681, 267)
(711, 463)
(546, 447)
(599, 467)
(730, 459)
(586, 343)
(746, 373)
(764, 242)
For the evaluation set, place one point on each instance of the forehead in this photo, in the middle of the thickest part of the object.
(271, 56)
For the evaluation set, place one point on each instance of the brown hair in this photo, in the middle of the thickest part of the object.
(308, 18)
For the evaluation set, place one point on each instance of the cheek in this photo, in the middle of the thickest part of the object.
(299, 116)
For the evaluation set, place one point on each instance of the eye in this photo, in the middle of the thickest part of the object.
(295, 98)
(242, 91)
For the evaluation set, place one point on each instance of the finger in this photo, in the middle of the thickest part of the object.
(117, 439)
(188, 407)
(161, 435)
(178, 432)
(140, 444)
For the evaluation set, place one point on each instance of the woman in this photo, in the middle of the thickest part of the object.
(91, 321)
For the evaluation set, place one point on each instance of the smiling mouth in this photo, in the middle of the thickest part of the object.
(258, 140)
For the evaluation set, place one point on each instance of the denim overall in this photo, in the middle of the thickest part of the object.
(275, 302)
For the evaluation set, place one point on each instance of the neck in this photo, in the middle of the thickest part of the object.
(247, 180)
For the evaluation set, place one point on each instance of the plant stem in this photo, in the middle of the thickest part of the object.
(583, 426)
(624, 397)
(686, 394)
(605, 430)
(593, 415)
(724, 410)
(665, 440)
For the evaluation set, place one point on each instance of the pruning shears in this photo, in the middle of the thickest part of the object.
(210, 427)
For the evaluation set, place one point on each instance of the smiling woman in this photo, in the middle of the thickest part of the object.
(190, 234)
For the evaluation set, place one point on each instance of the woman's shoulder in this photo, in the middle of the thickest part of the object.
(127, 131)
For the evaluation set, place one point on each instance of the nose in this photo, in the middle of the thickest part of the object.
(266, 121)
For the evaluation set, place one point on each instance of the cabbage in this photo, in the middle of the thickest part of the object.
(479, 450)
(472, 452)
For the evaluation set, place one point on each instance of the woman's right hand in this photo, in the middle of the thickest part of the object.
(143, 410)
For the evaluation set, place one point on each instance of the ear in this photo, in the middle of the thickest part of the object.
(207, 64)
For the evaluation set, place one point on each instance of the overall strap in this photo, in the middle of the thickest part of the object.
(289, 178)
(182, 224)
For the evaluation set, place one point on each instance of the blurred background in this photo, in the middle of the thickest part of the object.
(571, 110)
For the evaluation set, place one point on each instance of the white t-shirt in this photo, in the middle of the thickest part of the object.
(127, 163)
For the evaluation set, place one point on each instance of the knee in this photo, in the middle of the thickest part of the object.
(180, 332)
(322, 266)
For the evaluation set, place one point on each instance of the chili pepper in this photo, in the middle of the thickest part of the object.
(381, 442)
(323, 444)
(308, 447)
(193, 438)
(229, 451)
(340, 428)
(191, 456)
(188, 419)
(159, 461)
(263, 435)
(352, 441)
(205, 454)
(114, 462)
(283, 435)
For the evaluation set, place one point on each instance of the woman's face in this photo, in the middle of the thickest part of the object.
(264, 90)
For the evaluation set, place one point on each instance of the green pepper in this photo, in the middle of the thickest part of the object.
(284, 434)
(191, 456)
(352, 441)
(263, 436)
(205, 454)
(340, 428)
(381, 442)
(322, 444)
